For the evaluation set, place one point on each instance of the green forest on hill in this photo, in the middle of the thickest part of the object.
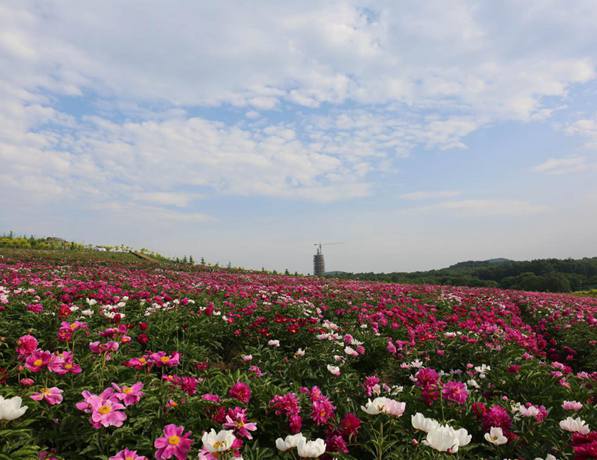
(551, 275)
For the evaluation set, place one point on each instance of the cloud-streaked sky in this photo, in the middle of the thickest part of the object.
(419, 134)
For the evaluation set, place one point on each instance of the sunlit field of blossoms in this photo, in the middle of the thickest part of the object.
(132, 362)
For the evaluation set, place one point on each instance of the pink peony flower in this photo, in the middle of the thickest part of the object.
(571, 405)
(37, 360)
(35, 308)
(66, 330)
(26, 345)
(105, 409)
(52, 396)
(173, 443)
(62, 363)
(139, 363)
(128, 455)
(256, 370)
(128, 395)
(27, 382)
(161, 359)
(210, 397)
(236, 419)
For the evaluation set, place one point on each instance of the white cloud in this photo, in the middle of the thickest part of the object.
(429, 195)
(566, 165)
(387, 77)
(491, 207)
(180, 200)
(259, 54)
(586, 128)
(152, 214)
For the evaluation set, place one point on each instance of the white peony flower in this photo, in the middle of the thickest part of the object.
(11, 408)
(442, 439)
(218, 442)
(311, 449)
(446, 439)
(496, 436)
(575, 425)
(334, 370)
(422, 423)
(463, 437)
(351, 351)
(530, 411)
(383, 405)
(472, 383)
(290, 442)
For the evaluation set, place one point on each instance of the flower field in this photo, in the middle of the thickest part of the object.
(127, 362)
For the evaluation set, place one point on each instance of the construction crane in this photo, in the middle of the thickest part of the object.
(318, 261)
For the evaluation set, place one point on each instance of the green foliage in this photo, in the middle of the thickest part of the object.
(548, 275)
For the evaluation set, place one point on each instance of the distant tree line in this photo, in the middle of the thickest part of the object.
(10, 240)
(550, 275)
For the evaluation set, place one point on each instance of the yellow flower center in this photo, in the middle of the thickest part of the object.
(128, 457)
(142, 360)
(218, 445)
(164, 359)
(37, 362)
(127, 390)
(173, 440)
(68, 366)
(73, 326)
(104, 410)
(45, 391)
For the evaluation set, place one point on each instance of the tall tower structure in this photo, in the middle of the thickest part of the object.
(318, 262)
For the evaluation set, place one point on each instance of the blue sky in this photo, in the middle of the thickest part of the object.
(418, 135)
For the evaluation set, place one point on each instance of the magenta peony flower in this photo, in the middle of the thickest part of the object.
(295, 424)
(455, 391)
(35, 308)
(496, 416)
(349, 425)
(173, 443)
(371, 385)
(322, 410)
(52, 396)
(241, 392)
